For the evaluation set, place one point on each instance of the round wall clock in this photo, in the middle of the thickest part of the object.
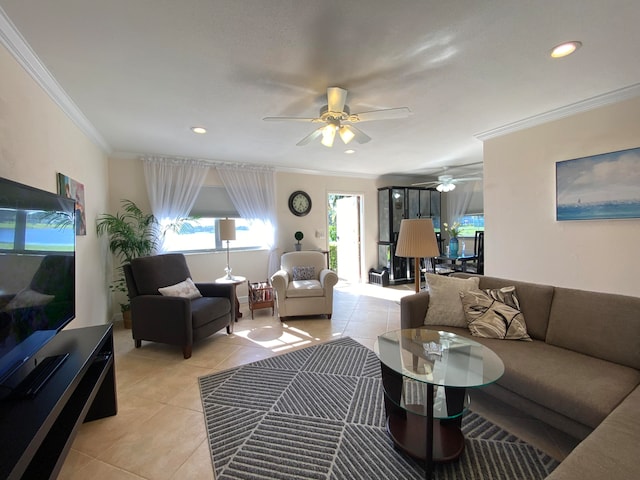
(300, 203)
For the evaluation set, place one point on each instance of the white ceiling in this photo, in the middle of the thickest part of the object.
(143, 72)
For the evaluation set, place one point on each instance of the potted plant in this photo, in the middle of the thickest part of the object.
(132, 234)
(298, 236)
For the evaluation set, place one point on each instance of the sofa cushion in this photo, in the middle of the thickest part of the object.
(206, 309)
(445, 307)
(602, 325)
(305, 288)
(578, 386)
(611, 451)
(535, 301)
(491, 318)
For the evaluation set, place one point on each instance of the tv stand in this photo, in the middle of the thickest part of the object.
(37, 430)
(31, 385)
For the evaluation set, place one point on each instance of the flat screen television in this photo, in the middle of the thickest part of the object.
(37, 276)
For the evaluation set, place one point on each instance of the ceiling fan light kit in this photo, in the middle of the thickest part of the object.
(445, 187)
(335, 113)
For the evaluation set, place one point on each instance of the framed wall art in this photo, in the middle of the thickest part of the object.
(605, 186)
(75, 190)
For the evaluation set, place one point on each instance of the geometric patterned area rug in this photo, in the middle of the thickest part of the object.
(318, 413)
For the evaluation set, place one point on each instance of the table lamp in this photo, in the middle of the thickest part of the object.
(417, 239)
(228, 232)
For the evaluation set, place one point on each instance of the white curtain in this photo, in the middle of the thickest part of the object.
(252, 190)
(172, 185)
(459, 199)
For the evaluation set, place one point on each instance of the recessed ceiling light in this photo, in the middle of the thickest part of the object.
(350, 151)
(564, 49)
(199, 130)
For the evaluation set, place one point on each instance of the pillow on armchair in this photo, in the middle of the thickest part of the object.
(304, 273)
(185, 289)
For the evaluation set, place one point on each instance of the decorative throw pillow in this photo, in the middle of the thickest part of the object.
(304, 273)
(186, 289)
(445, 307)
(489, 316)
(26, 298)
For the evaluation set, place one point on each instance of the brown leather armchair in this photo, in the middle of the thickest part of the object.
(171, 319)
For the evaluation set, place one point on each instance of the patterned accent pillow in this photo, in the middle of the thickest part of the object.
(494, 314)
(445, 307)
(186, 289)
(304, 273)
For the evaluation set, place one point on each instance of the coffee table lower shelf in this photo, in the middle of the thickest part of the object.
(410, 435)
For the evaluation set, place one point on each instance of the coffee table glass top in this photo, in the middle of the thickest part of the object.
(439, 358)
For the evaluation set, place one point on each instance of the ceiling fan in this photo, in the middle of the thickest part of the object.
(337, 118)
(447, 183)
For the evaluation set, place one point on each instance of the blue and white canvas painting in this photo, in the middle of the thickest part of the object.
(599, 187)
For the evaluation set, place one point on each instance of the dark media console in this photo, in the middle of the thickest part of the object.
(36, 431)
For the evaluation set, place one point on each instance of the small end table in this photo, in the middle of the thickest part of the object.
(423, 422)
(235, 280)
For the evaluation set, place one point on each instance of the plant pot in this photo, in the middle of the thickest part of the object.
(453, 247)
(298, 246)
(126, 318)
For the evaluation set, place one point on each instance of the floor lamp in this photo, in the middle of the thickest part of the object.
(417, 240)
(228, 232)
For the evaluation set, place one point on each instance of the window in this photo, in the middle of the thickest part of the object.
(469, 224)
(199, 234)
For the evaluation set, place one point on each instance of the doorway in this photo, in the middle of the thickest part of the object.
(345, 228)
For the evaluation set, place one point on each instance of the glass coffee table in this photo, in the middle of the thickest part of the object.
(425, 374)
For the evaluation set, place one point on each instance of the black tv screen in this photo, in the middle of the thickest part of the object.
(37, 274)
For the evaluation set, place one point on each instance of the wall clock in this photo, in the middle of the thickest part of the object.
(300, 203)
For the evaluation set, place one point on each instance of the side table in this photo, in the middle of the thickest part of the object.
(235, 281)
(425, 374)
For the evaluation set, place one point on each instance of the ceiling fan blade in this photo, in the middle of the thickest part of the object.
(387, 114)
(311, 137)
(451, 168)
(291, 119)
(360, 136)
(336, 98)
(425, 184)
(466, 179)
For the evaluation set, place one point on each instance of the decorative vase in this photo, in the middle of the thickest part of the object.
(453, 246)
(298, 246)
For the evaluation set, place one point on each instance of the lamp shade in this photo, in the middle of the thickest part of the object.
(417, 239)
(227, 229)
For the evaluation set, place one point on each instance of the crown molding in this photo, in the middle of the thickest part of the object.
(619, 95)
(16, 44)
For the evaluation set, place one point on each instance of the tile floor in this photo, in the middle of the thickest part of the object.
(159, 431)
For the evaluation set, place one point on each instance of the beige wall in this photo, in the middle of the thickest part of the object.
(37, 140)
(523, 239)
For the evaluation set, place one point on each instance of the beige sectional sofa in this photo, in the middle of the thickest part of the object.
(580, 373)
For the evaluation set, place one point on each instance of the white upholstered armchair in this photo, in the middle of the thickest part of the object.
(304, 285)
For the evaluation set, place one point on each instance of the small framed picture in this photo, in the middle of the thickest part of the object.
(70, 188)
